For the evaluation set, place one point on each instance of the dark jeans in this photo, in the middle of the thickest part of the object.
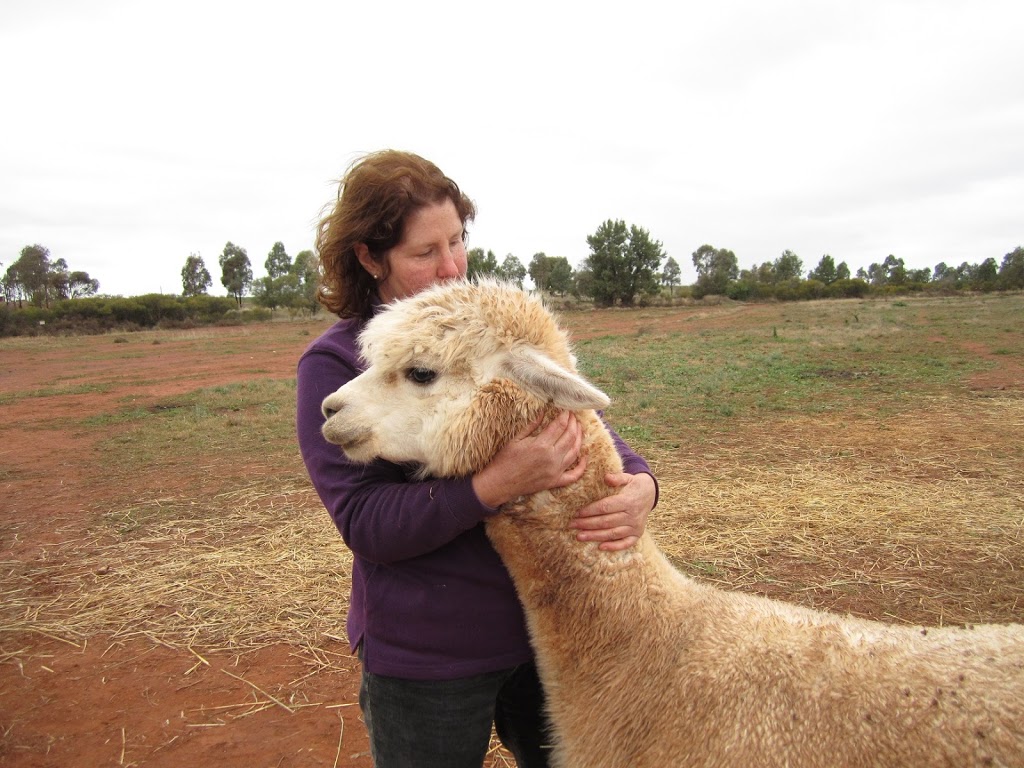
(447, 723)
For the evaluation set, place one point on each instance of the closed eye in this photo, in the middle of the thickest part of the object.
(420, 375)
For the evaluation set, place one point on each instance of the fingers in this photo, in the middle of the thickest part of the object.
(588, 519)
(619, 544)
(609, 530)
(602, 513)
(564, 436)
(618, 479)
(615, 522)
(574, 472)
(530, 428)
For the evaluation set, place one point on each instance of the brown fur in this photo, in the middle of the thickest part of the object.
(643, 666)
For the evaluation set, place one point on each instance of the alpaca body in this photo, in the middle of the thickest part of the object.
(645, 667)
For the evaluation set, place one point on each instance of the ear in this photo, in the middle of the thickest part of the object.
(366, 260)
(539, 374)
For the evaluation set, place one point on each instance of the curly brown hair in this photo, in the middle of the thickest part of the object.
(375, 197)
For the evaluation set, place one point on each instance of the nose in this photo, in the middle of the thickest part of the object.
(449, 266)
(330, 406)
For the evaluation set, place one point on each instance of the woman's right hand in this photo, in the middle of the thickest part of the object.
(530, 462)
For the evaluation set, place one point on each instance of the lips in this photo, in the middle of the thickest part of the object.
(352, 441)
(352, 446)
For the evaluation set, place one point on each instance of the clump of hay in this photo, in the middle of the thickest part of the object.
(241, 570)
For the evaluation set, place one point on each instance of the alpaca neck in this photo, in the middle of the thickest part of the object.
(558, 576)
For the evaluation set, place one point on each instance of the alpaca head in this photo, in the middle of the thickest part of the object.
(452, 374)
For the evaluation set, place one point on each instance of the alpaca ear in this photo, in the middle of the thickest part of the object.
(539, 374)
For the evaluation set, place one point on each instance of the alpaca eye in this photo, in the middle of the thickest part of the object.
(420, 375)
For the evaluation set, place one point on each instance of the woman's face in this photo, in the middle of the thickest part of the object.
(431, 251)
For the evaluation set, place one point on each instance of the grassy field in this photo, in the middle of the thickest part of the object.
(859, 456)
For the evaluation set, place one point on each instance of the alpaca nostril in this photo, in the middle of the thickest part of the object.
(328, 412)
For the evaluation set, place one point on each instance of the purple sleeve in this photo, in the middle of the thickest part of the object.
(632, 462)
(382, 515)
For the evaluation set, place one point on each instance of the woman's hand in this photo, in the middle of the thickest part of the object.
(530, 462)
(618, 521)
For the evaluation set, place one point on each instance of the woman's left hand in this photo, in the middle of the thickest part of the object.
(617, 521)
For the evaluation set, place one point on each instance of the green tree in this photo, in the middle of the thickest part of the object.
(645, 256)
(760, 273)
(623, 263)
(582, 282)
(278, 261)
(512, 270)
(716, 268)
(57, 279)
(788, 266)
(11, 287)
(825, 272)
(671, 275)
(79, 285)
(35, 278)
(986, 274)
(606, 263)
(30, 275)
(540, 270)
(280, 285)
(267, 292)
(922, 275)
(1011, 271)
(64, 284)
(878, 274)
(307, 281)
(195, 277)
(236, 271)
(964, 275)
(895, 270)
(766, 273)
(560, 277)
(943, 273)
(552, 274)
(480, 264)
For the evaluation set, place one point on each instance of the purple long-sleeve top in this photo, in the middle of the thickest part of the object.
(431, 599)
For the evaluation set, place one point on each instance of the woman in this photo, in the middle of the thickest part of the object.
(433, 613)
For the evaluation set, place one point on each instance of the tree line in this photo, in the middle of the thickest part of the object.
(718, 272)
(37, 279)
(625, 266)
(289, 283)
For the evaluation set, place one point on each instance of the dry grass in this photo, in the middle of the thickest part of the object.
(838, 515)
(914, 520)
(238, 571)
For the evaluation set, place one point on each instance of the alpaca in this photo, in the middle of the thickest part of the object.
(643, 666)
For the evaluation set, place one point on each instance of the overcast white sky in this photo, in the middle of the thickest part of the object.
(136, 133)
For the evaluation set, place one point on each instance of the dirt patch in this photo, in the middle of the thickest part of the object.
(1005, 373)
(137, 703)
(104, 701)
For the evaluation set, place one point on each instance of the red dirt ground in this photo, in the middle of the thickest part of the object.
(137, 703)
